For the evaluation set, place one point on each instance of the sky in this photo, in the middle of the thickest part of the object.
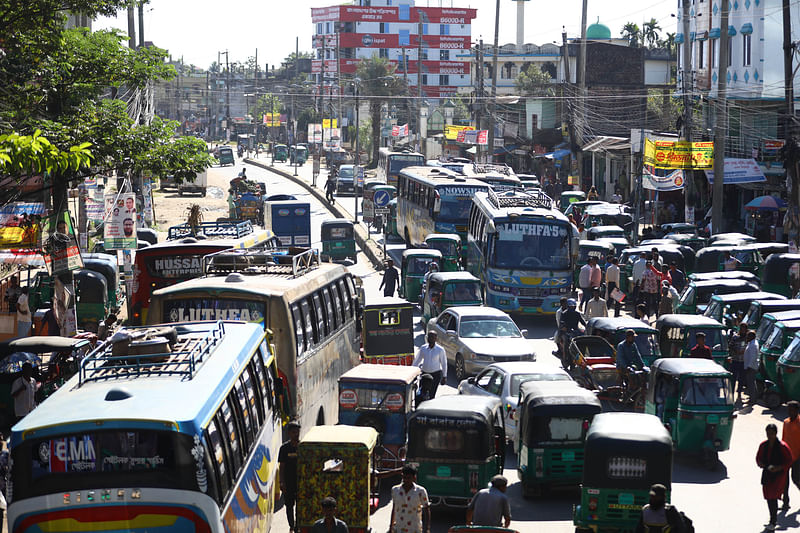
(197, 30)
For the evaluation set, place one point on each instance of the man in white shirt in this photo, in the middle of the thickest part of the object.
(612, 282)
(751, 365)
(596, 307)
(23, 314)
(638, 270)
(432, 360)
(23, 390)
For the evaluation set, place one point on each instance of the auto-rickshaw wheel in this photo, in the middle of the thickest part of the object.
(461, 371)
(772, 400)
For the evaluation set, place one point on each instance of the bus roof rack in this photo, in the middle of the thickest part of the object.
(234, 229)
(286, 261)
(520, 199)
(150, 351)
(487, 168)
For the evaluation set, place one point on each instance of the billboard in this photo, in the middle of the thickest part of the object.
(679, 155)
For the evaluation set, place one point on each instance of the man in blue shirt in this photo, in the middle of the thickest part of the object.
(628, 353)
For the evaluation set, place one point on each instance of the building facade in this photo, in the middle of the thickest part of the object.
(399, 31)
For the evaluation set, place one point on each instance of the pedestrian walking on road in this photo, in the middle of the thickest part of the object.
(411, 512)
(612, 282)
(590, 276)
(751, 365)
(390, 279)
(736, 346)
(596, 307)
(791, 436)
(651, 282)
(490, 507)
(774, 457)
(431, 359)
(666, 303)
(678, 277)
(658, 515)
(24, 320)
(330, 189)
(287, 459)
(329, 523)
(23, 391)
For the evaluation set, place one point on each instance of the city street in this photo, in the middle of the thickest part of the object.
(727, 499)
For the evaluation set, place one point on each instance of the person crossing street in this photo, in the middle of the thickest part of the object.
(432, 360)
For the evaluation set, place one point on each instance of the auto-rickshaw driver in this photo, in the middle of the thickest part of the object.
(569, 328)
(629, 361)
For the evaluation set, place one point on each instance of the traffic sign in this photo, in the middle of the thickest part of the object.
(382, 198)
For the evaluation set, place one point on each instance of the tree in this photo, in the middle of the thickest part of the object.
(650, 31)
(533, 81)
(378, 84)
(632, 33)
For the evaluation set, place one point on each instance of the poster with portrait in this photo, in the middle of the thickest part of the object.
(64, 306)
(120, 226)
(60, 247)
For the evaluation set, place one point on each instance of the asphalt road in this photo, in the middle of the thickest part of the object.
(727, 499)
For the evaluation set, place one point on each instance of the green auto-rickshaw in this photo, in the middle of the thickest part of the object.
(91, 296)
(778, 339)
(613, 330)
(413, 269)
(728, 308)
(336, 461)
(695, 297)
(692, 240)
(447, 289)
(789, 370)
(457, 442)
(679, 227)
(298, 155)
(605, 232)
(682, 255)
(712, 258)
(225, 156)
(338, 240)
(677, 335)
(387, 331)
(554, 417)
(280, 153)
(600, 250)
(391, 220)
(570, 197)
(694, 400)
(768, 321)
(107, 266)
(759, 308)
(619, 244)
(450, 246)
(780, 274)
(625, 454)
(731, 274)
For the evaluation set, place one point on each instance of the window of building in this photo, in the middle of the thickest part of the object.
(746, 50)
(424, 29)
(730, 51)
(384, 27)
(404, 38)
(424, 79)
(534, 122)
(444, 55)
(319, 28)
(424, 53)
(701, 55)
(714, 53)
(404, 11)
(328, 27)
(444, 79)
(680, 54)
(444, 29)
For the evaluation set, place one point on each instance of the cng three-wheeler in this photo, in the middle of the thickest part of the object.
(448, 289)
(338, 240)
(450, 246)
(413, 268)
(693, 398)
(387, 331)
(625, 454)
(554, 417)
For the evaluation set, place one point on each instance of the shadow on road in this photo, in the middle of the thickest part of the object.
(688, 468)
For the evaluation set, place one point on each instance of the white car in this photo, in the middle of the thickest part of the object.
(473, 337)
(503, 380)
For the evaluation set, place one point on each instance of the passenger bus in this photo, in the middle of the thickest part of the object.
(499, 177)
(391, 162)
(434, 200)
(180, 258)
(310, 307)
(523, 249)
(177, 431)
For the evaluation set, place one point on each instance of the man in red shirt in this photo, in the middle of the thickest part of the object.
(701, 351)
(791, 436)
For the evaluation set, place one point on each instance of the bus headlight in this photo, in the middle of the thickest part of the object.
(499, 288)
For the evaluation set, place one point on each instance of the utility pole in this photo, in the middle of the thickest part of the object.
(720, 124)
(358, 150)
(418, 106)
(141, 24)
(581, 74)
(227, 94)
(687, 86)
(479, 101)
(790, 161)
(131, 26)
(322, 86)
(567, 81)
(339, 82)
(493, 103)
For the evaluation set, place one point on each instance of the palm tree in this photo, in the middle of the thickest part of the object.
(376, 80)
(650, 31)
(632, 33)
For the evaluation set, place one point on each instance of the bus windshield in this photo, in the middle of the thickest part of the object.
(454, 209)
(92, 459)
(532, 245)
(398, 162)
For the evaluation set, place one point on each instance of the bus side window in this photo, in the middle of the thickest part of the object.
(222, 470)
(325, 327)
(299, 330)
(263, 386)
(232, 432)
(246, 411)
(333, 318)
(255, 395)
(349, 294)
(337, 302)
(311, 331)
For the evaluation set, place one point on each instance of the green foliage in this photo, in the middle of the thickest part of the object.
(533, 81)
(23, 155)
(377, 80)
(663, 110)
(650, 31)
(632, 33)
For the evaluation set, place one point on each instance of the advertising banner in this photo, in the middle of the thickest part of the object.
(120, 227)
(679, 154)
(672, 182)
(739, 171)
(315, 133)
(20, 225)
(435, 15)
(400, 131)
(328, 123)
(272, 120)
(451, 132)
(59, 244)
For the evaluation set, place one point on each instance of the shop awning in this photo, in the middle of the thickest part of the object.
(505, 149)
(746, 29)
(558, 154)
(605, 143)
(22, 257)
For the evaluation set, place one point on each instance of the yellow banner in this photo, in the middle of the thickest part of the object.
(328, 123)
(679, 155)
(272, 119)
(451, 131)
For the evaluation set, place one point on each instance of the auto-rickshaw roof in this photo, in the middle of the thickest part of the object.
(677, 366)
(743, 283)
(458, 406)
(609, 429)
(596, 245)
(780, 263)
(367, 372)
(673, 235)
(682, 321)
(41, 344)
(341, 434)
(573, 194)
(717, 250)
(559, 395)
(605, 208)
(768, 249)
(338, 222)
(740, 296)
(447, 236)
(606, 229)
(783, 316)
(619, 322)
(732, 236)
(461, 275)
(679, 227)
(382, 302)
(422, 252)
(791, 325)
(729, 274)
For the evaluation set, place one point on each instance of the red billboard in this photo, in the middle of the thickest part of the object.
(429, 15)
(392, 40)
(349, 66)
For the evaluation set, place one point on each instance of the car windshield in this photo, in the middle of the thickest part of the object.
(532, 245)
(545, 429)
(418, 265)
(714, 310)
(346, 172)
(465, 291)
(687, 298)
(448, 248)
(707, 391)
(518, 379)
(481, 327)
(764, 330)
(454, 209)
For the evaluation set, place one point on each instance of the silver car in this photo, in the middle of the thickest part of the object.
(473, 337)
(503, 380)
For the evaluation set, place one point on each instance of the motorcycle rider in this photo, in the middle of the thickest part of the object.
(628, 357)
(569, 327)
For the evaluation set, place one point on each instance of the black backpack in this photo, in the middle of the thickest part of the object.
(686, 523)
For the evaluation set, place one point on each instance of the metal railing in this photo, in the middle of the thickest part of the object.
(234, 230)
(287, 261)
(520, 199)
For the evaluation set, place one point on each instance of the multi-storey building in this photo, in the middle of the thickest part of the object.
(398, 31)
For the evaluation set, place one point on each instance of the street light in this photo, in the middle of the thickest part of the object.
(356, 90)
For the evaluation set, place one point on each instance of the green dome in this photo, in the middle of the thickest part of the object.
(598, 31)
